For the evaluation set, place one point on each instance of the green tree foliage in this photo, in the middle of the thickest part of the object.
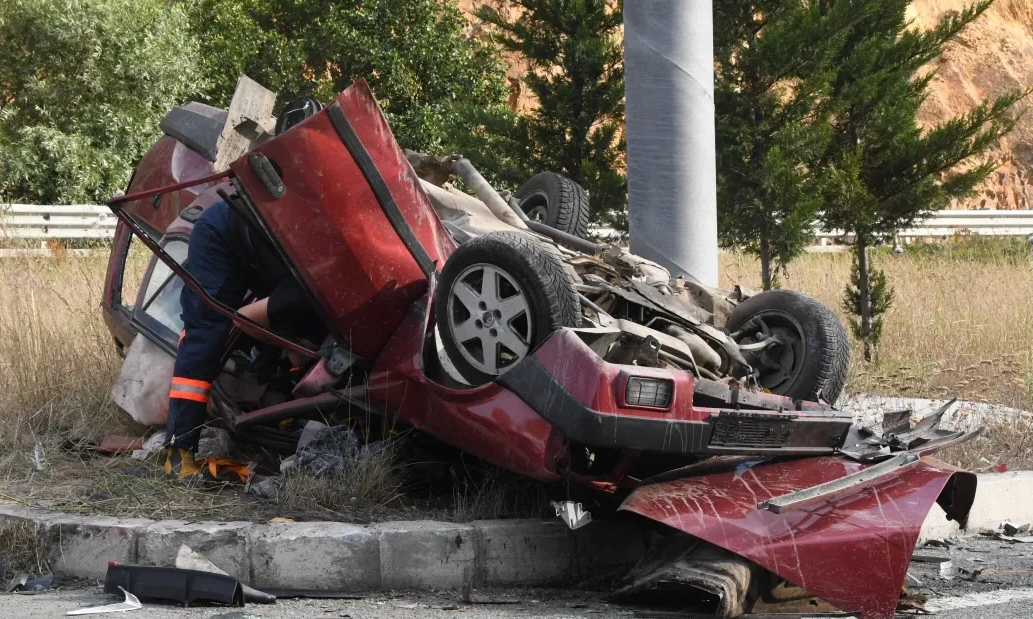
(773, 66)
(576, 74)
(883, 171)
(428, 76)
(83, 85)
(880, 299)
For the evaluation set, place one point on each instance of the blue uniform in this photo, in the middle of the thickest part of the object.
(212, 261)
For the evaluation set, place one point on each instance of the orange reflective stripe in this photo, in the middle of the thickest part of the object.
(189, 382)
(188, 395)
(182, 334)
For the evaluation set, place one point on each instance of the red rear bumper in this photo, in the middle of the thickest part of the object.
(583, 396)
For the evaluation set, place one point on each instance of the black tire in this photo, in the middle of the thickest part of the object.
(544, 282)
(556, 201)
(821, 341)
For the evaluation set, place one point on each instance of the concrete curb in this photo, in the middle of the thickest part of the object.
(999, 497)
(329, 556)
(332, 556)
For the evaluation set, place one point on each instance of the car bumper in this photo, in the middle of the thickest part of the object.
(583, 396)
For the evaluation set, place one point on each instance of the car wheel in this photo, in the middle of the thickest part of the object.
(811, 358)
(556, 201)
(499, 296)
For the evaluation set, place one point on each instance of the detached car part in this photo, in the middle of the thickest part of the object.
(131, 603)
(177, 585)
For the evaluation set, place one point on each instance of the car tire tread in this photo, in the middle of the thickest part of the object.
(568, 204)
(826, 339)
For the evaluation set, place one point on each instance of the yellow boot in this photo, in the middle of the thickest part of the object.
(180, 463)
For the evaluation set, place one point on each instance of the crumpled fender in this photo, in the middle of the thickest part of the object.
(853, 552)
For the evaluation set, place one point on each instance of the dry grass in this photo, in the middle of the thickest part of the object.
(962, 326)
(1001, 443)
(24, 547)
(370, 487)
(57, 360)
(77, 483)
(490, 493)
(57, 365)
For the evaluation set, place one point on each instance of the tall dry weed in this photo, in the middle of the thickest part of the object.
(57, 359)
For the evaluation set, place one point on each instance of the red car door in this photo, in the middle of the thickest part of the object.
(348, 211)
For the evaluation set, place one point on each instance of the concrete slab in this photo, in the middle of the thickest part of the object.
(412, 555)
(85, 546)
(605, 546)
(523, 552)
(420, 555)
(1000, 497)
(20, 512)
(224, 543)
(936, 526)
(326, 556)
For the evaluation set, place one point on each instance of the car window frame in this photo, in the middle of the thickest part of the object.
(149, 326)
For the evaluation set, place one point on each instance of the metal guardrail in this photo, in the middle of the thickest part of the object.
(76, 221)
(87, 221)
(943, 224)
(949, 223)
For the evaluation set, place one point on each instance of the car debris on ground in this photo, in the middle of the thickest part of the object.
(130, 603)
(188, 559)
(493, 325)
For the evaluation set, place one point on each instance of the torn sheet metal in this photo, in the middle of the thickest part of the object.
(573, 514)
(852, 551)
(354, 221)
(131, 603)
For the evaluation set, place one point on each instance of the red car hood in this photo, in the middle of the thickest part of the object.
(853, 552)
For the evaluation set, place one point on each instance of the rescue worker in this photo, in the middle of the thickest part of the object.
(229, 256)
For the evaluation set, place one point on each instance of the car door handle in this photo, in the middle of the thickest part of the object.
(266, 172)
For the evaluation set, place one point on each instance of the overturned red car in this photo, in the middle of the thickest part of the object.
(492, 324)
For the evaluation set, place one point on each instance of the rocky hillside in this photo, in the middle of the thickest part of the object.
(994, 55)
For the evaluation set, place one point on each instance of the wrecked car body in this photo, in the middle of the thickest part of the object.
(704, 412)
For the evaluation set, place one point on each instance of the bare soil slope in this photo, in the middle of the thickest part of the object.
(994, 55)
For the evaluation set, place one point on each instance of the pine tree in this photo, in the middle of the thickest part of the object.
(576, 76)
(880, 299)
(882, 171)
(773, 68)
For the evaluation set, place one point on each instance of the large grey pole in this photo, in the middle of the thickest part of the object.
(672, 175)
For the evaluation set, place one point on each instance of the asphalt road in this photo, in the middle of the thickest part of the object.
(561, 605)
(989, 579)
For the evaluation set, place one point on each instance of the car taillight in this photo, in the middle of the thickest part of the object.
(652, 392)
